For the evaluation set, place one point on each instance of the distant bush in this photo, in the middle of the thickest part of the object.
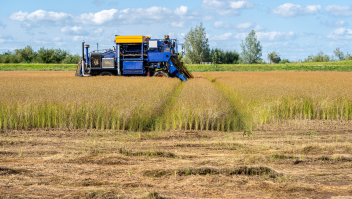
(320, 57)
(284, 61)
(274, 57)
(218, 56)
(348, 57)
(43, 55)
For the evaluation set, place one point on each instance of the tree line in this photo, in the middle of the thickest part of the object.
(43, 55)
(197, 50)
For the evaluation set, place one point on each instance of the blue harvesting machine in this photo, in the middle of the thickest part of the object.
(135, 56)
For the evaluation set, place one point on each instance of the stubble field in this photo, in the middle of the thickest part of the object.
(220, 135)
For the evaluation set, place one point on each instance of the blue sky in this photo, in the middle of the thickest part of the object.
(295, 29)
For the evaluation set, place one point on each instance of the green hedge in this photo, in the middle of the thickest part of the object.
(313, 66)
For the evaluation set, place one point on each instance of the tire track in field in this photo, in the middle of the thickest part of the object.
(157, 122)
(238, 116)
(199, 106)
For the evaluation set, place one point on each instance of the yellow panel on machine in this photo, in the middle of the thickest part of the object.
(130, 39)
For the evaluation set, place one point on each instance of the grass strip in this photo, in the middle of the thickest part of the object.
(342, 66)
(239, 118)
(38, 67)
(161, 122)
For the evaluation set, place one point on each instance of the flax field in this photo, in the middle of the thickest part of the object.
(221, 101)
(219, 135)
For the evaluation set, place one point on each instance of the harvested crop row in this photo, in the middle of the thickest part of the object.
(60, 100)
(271, 96)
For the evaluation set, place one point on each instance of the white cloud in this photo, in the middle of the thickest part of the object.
(214, 4)
(221, 24)
(337, 44)
(275, 36)
(98, 18)
(178, 24)
(5, 39)
(29, 26)
(241, 4)
(98, 32)
(218, 4)
(227, 7)
(339, 11)
(270, 36)
(276, 45)
(57, 39)
(40, 16)
(75, 30)
(104, 17)
(306, 34)
(41, 42)
(133, 15)
(78, 38)
(341, 34)
(244, 26)
(208, 18)
(223, 37)
(259, 27)
(181, 11)
(292, 10)
(339, 23)
(241, 36)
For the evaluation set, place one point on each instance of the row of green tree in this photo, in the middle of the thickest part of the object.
(43, 55)
(274, 57)
(197, 51)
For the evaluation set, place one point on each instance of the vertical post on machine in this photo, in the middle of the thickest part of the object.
(118, 59)
(82, 68)
(142, 52)
(86, 47)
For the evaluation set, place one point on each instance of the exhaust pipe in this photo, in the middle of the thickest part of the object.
(118, 59)
(83, 61)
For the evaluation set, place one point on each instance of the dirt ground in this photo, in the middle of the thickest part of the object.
(295, 159)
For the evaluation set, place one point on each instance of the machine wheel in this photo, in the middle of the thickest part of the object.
(161, 74)
(106, 74)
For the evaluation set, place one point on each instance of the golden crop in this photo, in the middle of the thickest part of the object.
(266, 96)
(199, 106)
(61, 100)
(214, 101)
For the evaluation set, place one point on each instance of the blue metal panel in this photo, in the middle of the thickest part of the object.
(159, 56)
(174, 71)
(133, 68)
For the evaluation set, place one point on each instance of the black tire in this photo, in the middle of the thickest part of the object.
(161, 74)
(105, 73)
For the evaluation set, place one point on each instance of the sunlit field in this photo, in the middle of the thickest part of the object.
(222, 101)
(61, 100)
(272, 96)
(219, 135)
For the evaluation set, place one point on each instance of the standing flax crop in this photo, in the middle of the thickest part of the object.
(272, 96)
(200, 106)
(60, 100)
